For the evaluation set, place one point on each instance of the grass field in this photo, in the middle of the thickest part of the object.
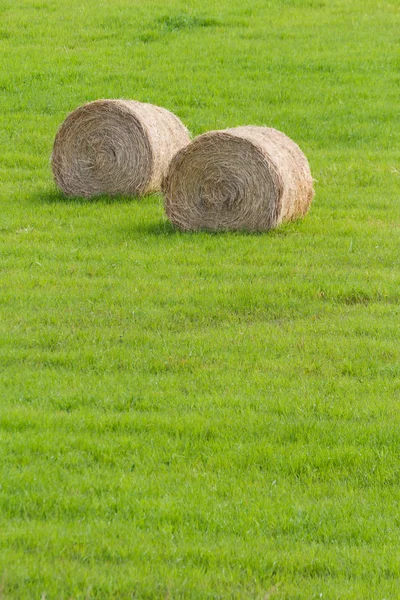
(195, 415)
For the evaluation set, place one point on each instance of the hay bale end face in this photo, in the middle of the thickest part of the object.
(245, 178)
(116, 147)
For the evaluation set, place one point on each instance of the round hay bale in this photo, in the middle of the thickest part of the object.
(245, 178)
(116, 147)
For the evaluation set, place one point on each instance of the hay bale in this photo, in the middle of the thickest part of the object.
(116, 147)
(246, 178)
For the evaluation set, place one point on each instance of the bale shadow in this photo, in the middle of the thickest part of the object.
(158, 228)
(164, 227)
(55, 196)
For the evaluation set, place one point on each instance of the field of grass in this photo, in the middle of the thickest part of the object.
(196, 415)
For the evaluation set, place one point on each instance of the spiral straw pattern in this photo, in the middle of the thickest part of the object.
(245, 178)
(116, 147)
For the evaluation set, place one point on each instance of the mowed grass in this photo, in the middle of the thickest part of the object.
(197, 415)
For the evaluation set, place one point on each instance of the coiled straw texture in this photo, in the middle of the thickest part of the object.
(116, 147)
(245, 178)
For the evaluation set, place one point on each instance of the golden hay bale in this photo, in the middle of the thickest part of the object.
(246, 178)
(116, 147)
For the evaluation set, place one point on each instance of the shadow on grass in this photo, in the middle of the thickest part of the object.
(57, 197)
(164, 227)
(156, 228)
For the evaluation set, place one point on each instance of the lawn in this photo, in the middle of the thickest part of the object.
(201, 416)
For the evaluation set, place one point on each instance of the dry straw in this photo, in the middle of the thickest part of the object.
(246, 178)
(116, 147)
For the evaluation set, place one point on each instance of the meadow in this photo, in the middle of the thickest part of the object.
(203, 416)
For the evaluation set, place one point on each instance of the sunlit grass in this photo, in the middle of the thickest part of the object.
(197, 415)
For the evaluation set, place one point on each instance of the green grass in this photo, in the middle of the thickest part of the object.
(197, 415)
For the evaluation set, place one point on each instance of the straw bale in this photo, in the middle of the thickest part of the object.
(116, 147)
(245, 178)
